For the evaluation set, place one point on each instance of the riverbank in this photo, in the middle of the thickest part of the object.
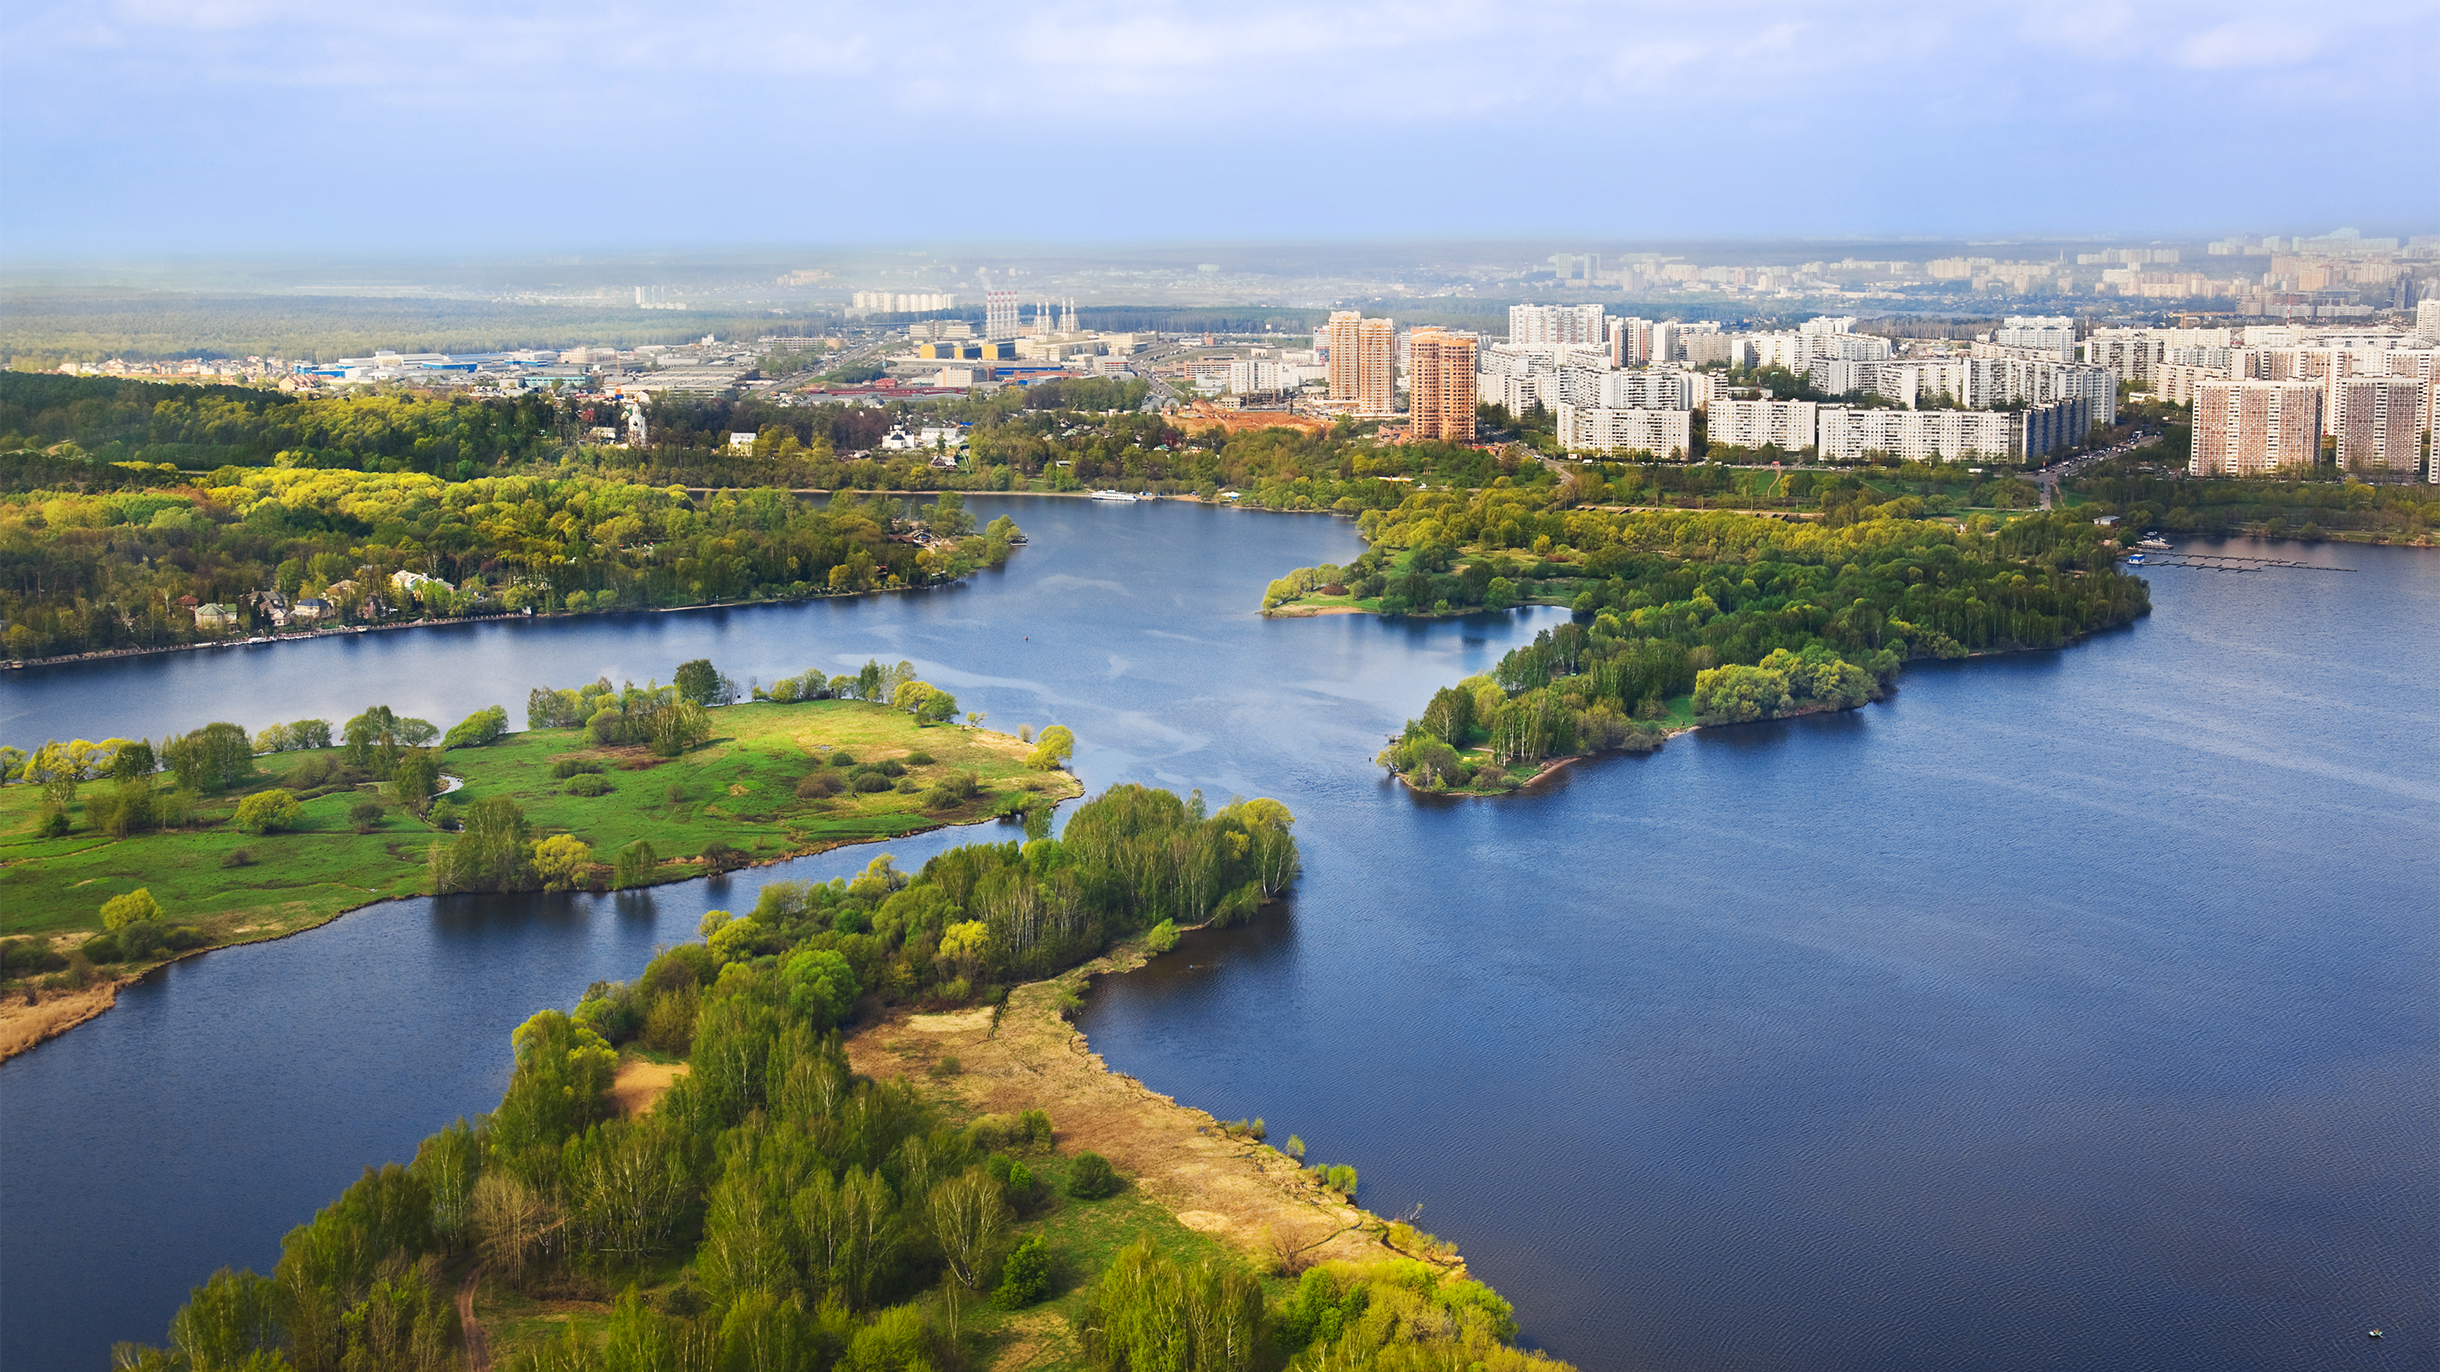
(1026, 1055)
(770, 786)
(459, 621)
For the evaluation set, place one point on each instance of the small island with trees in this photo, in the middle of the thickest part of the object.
(117, 855)
(1684, 619)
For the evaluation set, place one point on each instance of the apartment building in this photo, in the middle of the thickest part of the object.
(1844, 434)
(2177, 382)
(1543, 325)
(1363, 362)
(1630, 341)
(1636, 389)
(1662, 433)
(2244, 428)
(1440, 385)
(2378, 421)
(1788, 425)
(2038, 333)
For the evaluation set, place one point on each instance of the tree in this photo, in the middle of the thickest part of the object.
(700, 682)
(821, 986)
(120, 911)
(477, 729)
(563, 861)
(492, 851)
(969, 1218)
(378, 737)
(416, 777)
(635, 864)
(1053, 749)
(266, 811)
(212, 758)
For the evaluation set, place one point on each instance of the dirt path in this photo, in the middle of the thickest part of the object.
(470, 1330)
(1247, 1194)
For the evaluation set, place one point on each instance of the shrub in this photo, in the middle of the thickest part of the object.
(953, 790)
(563, 861)
(1091, 1177)
(590, 785)
(133, 908)
(101, 948)
(23, 955)
(477, 729)
(444, 814)
(364, 814)
(919, 758)
(141, 940)
(1025, 1277)
(890, 767)
(948, 1066)
(870, 782)
(720, 857)
(842, 758)
(237, 857)
(635, 864)
(1162, 937)
(815, 785)
(563, 768)
(267, 811)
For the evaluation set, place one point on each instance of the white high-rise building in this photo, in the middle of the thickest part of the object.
(2042, 333)
(1784, 424)
(1543, 325)
(2427, 320)
(1662, 433)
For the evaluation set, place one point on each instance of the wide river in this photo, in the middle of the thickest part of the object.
(2066, 1010)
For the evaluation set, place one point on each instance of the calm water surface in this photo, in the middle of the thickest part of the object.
(2066, 1010)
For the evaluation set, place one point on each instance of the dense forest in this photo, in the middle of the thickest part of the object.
(815, 1218)
(88, 572)
(1747, 616)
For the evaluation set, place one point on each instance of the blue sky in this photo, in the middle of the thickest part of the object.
(151, 126)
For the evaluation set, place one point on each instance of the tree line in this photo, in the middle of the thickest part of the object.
(85, 572)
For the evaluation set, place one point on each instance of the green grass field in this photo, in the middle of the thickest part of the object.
(737, 789)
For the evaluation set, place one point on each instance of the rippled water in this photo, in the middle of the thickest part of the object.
(2066, 1010)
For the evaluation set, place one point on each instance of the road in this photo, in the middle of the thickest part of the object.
(2048, 477)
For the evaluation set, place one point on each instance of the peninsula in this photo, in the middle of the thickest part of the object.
(117, 856)
(695, 1168)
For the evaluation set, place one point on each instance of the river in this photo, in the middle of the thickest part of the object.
(2067, 1009)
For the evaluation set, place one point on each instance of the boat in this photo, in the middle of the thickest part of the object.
(1118, 495)
(2134, 559)
(2154, 542)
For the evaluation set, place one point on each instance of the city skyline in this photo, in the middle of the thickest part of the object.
(261, 125)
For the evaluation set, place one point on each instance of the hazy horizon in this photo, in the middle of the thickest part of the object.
(270, 126)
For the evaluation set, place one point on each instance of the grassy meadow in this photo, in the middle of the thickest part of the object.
(740, 789)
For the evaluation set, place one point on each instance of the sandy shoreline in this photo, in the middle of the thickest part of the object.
(1028, 1057)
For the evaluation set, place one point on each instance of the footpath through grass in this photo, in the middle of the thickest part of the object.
(746, 788)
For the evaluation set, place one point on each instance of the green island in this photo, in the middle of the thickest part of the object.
(123, 853)
(697, 1170)
(1688, 619)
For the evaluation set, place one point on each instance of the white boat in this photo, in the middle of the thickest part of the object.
(1118, 495)
(2156, 543)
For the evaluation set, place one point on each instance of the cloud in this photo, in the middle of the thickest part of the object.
(1807, 120)
(2250, 43)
